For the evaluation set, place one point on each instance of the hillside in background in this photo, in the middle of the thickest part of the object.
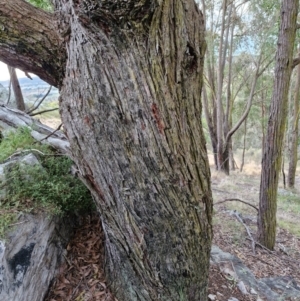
(34, 88)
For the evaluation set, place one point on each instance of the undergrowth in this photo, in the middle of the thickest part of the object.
(48, 186)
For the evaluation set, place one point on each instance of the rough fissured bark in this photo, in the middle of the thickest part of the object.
(130, 103)
(29, 41)
(272, 152)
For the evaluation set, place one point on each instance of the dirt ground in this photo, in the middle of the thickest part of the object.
(231, 235)
(82, 277)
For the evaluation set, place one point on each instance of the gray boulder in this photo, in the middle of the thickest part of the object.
(30, 256)
(273, 289)
(32, 252)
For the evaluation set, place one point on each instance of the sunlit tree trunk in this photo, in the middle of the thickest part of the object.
(130, 104)
(272, 156)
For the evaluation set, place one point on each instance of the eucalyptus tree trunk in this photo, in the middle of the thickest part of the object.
(272, 156)
(20, 104)
(130, 84)
(222, 153)
(294, 133)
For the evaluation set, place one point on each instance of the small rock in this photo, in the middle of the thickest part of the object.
(242, 287)
(212, 297)
(253, 291)
(233, 299)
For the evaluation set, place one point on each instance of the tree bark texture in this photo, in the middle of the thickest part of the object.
(272, 156)
(20, 104)
(29, 41)
(130, 103)
(294, 133)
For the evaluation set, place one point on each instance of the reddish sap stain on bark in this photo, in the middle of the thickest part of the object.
(156, 115)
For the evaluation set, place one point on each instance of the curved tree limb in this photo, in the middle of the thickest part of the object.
(29, 40)
(296, 61)
(237, 200)
(258, 73)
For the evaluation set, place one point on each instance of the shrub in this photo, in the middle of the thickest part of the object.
(48, 187)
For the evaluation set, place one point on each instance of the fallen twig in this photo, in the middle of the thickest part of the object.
(238, 200)
(263, 247)
(42, 112)
(15, 224)
(23, 151)
(237, 215)
(57, 129)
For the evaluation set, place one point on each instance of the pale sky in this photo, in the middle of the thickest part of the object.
(4, 75)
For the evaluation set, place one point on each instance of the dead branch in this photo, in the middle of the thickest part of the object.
(238, 200)
(39, 103)
(237, 215)
(57, 129)
(42, 112)
(263, 247)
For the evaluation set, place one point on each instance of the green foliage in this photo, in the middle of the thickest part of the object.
(44, 4)
(16, 141)
(7, 218)
(48, 186)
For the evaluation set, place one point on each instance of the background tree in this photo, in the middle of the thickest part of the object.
(294, 131)
(237, 65)
(20, 104)
(272, 157)
(130, 78)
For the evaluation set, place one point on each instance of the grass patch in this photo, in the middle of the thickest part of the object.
(288, 210)
(19, 140)
(289, 202)
(48, 186)
(292, 227)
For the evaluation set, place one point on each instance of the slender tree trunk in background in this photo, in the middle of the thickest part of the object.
(244, 146)
(20, 104)
(211, 125)
(294, 134)
(272, 156)
(229, 103)
(130, 103)
(263, 113)
(209, 96)
(220, 78)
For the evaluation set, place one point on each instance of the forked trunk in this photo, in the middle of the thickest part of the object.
(130, 103)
